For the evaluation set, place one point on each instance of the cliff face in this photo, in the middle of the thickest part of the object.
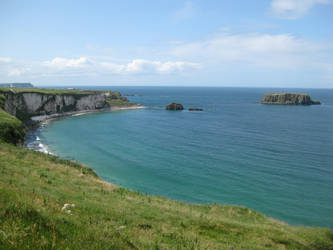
(23, 105)
(288, 99)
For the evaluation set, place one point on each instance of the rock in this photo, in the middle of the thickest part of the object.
(174, 106)
(38, 102)
(195, 109)
(67, 206)
(288, 99)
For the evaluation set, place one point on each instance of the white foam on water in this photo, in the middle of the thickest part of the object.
(77, 115)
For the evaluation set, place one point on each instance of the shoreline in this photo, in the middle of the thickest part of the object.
(43, 118)
(41, 121)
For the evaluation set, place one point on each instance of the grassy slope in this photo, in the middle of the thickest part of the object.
(35, 186)
(11, 128)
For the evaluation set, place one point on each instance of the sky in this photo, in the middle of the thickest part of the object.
(235, 43)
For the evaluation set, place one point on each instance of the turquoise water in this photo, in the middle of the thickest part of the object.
(275, 159)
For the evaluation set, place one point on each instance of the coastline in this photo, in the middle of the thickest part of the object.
(43, 118)
(42, 121)
(104, 204)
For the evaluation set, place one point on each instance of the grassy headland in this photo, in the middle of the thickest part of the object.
(25, 103)
(120, 103)
(34, 188)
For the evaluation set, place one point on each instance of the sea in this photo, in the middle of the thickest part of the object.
(276, 159)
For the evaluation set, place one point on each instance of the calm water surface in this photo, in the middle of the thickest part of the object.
(275, 159)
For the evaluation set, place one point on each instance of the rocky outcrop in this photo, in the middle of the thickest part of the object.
(174, 106)
(195, 109)
(24, 105)
(288, 99)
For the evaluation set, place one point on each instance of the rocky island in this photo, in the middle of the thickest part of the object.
(288, 99)
(174, 106)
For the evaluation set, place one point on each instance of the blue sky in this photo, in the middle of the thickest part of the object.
(263, 43)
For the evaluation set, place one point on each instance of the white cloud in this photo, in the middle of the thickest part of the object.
(5, 60)
(61, 63)
(84, 66)
(264, 50)
(227, 58)
(137, 66)
(17, 71)
(293, 9)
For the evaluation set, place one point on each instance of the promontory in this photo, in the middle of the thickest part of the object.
(25, 103)
(288, 99)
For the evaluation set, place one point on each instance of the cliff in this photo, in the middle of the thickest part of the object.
(288, 99)
(27, 102)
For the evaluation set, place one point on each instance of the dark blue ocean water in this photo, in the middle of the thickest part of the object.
(275, 159)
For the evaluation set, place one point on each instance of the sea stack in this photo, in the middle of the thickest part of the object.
(288, 99)
(174, 106)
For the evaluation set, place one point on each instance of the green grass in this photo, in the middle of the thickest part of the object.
(11, 128)
(119, 103)
(34, 187)
(51, 91)
(2, 101)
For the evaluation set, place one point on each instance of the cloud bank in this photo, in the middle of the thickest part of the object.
(262, 50)
(86, 66)
(226, 58)
(293, 9)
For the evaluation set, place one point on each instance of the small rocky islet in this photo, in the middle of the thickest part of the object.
(288, 99)
(174, 106)
(178, 106)
(279, 98)
(195, 109)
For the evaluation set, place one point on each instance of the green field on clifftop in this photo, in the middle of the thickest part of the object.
(34, 187)
(51, 91)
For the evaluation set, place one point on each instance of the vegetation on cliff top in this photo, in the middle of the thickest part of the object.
(54, 91)
(120, 103)
(2, 101)
(11, 128)
(34, 188)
